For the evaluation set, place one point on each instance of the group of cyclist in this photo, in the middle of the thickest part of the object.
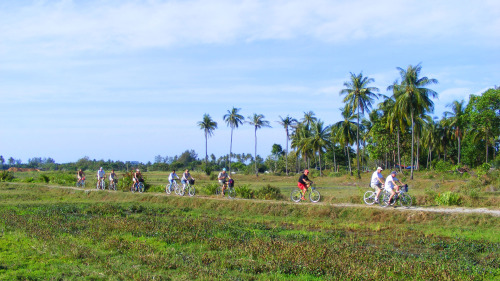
(101, 174)
(186, 176)
(389, 184)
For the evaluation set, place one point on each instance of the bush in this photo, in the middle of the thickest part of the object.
(483, 169)
(6, 176)
(209, 189)
(213, 176)
(448, 198)
(442, 166)
(244, 191)
(43, 178)
(269, 192)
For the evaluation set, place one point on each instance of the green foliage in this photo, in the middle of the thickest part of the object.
(483, 169)
(442, 166)
(244, 191)
(269, 192)
(6, 176)
(213, 176)
(207, 169)
(209, 189)
(448, 198)
(43, 178)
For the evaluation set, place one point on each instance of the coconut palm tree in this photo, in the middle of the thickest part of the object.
(233, 120)
(456, 121)
(319, 140)
(358, 98)
(257, 120)
(286, 123)
(345, 132)
(208, 126)
(309, 118)
(413, 97)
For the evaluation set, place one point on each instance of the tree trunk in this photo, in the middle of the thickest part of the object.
(412, 143)
(256, 170)
(286, 155)
(357, 145)
(418, 154)
(319, 157)
(459, 149)
(230, 150)
(349, 160)
(206, 149)
(399, 154)
(334, 161)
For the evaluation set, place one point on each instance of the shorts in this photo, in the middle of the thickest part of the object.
(376, 186)
(222, 181)
(301, 186)
(388, 188)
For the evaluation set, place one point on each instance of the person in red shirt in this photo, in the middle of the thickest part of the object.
(304, 183)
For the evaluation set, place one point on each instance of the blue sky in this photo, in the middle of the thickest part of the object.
(128, 80)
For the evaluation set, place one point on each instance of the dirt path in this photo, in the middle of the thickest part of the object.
(451, 210)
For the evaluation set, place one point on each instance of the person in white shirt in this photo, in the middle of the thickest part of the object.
(171, 179)
(100, 175)
(377, 182)
(391, 186)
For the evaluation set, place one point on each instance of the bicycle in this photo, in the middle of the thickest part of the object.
(314, 195)
(138, 186)
(403, 197)
(81, 183)
(179, 190)
(101, 184)
(229, 190)
(172, 187)
(370, 197)
(112, 184)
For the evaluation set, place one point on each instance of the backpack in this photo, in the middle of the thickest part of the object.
(230, 183)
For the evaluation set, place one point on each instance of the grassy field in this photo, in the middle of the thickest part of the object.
(53, 233)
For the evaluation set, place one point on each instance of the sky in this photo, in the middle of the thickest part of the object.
(128, 79)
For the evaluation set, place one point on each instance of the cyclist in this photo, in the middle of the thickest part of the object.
(80, 175)
(112, 177)
(171, 179)
(185, 177)
(304, 183)
(137, 177)
(377, 182)
(223, 179)
(100, 176)
(391, 186)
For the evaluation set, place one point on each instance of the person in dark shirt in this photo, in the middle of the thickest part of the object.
(304, 183)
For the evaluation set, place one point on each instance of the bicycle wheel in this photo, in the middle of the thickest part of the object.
(97, 185)
(140, 187)
(167, 189)
(369, 197)
(405, 200)
(191, 191)
(182, 190)
(132, 188)
(296, 195)
(218, 190)
(231, 193)
(384, 199)
(314, 196)
(103, 185)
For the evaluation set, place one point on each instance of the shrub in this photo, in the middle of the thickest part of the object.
(448, 198)
(213, 176)
(336, 174)
(244, 191)
(442, 166)
(483, 169)
(209, 189)
(6, 176)
(43, 178)
(29, 179)
(269, 192)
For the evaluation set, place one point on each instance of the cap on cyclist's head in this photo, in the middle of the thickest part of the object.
(224, 169)
(380, 168)
(137, 170)
(306, 171)
(100, 168)
(393, 173)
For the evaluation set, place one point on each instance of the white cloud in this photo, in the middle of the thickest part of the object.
(70, 26)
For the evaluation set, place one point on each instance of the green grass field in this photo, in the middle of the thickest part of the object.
(51, 232)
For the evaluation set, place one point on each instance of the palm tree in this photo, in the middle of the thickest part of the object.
(456, 119)
(208, 126)
(345, 132)
(319, 140)
(257, 120)
(233, 120)
(413, 97)
(287, 122)
(359, 98)
(309, 118)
